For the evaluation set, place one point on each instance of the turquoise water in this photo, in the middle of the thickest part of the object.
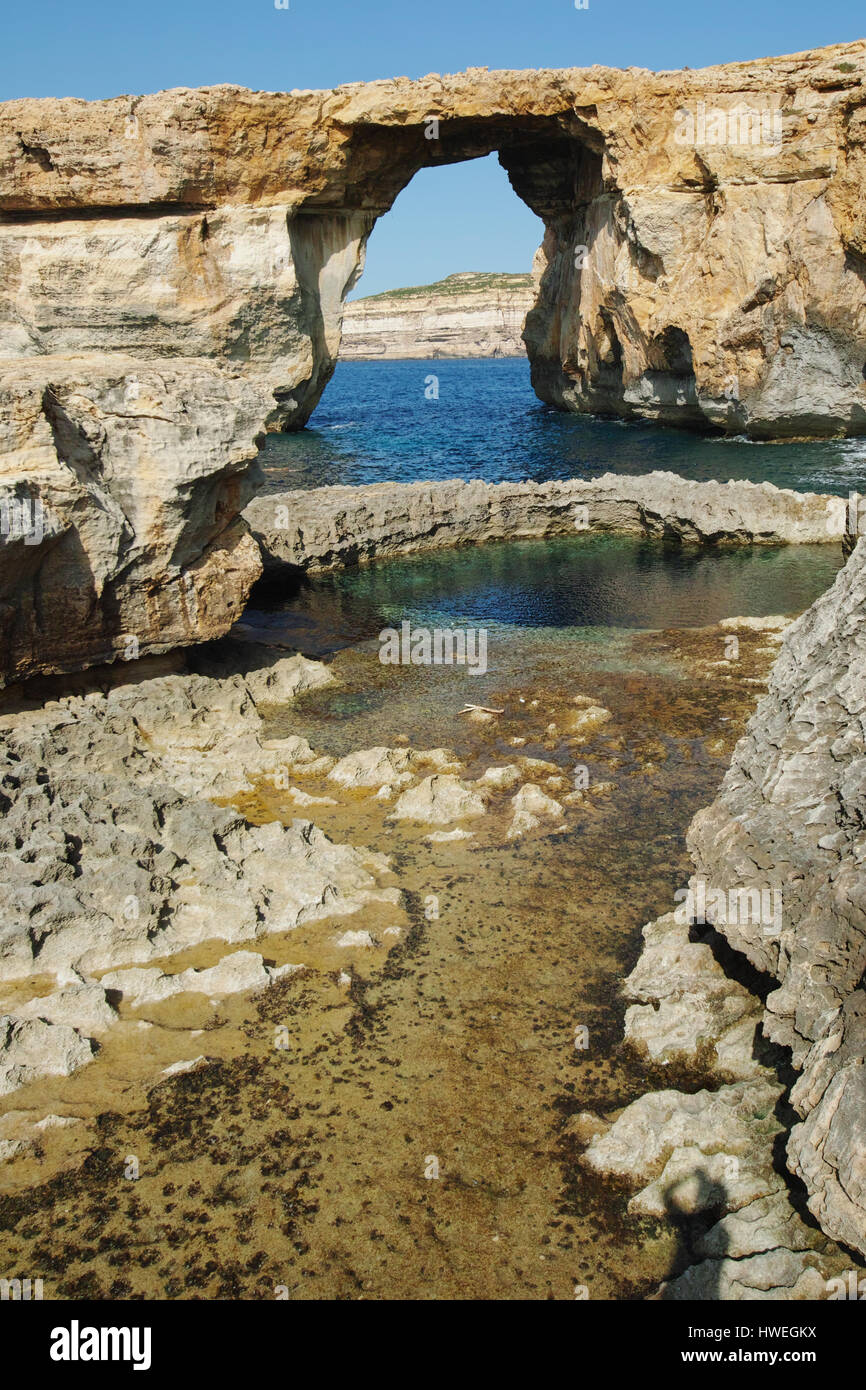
(589, 586)
(375, 422)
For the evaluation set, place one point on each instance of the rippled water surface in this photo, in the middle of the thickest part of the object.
(375, 422)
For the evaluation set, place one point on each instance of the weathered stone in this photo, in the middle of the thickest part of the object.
(790, 815)
(238, 973)
(32, 1047)
(771, 1275)
(735, 1120)
(173, 269)
(693, 1181)
(128, 475)
(439, 799)
(501, 777)
(471, 314)
(533, 800)
(327, 527)
(375, 768)
(686, 1006)
(110, 852)
(83, 1006)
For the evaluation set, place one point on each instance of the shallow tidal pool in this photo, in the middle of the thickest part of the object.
(419, 1134)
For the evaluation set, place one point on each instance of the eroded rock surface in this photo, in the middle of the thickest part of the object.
(326, 527)
(790, 817)
(706, 1159)
(113, 851)
(779, 876)
(685, 1005)
(34, 1047)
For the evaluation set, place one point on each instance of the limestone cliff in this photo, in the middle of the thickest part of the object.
(173, 269)
(466, 315)
(790, 815)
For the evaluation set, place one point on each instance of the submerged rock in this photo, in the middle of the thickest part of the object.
(529, 806)
(180, 1068)
(354, 939)
(586, 722)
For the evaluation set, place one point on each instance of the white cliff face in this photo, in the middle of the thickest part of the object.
(122, 509)
(697, 308)
(467, 315)
(139, 362)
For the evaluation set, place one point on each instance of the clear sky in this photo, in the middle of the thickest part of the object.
(459, 218)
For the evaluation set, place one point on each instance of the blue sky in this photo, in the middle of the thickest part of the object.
(461, 218)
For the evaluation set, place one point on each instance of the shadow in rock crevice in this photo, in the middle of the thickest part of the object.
(692, 1206)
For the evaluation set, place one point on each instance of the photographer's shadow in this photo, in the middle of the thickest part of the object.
(694, 1205)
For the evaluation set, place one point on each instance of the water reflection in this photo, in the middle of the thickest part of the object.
(574, 582)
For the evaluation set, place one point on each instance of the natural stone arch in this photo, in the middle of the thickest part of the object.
(553, 163)
(174, 268)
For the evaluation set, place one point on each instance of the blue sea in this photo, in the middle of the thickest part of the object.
(381, 420)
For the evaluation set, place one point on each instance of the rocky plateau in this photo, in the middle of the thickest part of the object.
(323, 528)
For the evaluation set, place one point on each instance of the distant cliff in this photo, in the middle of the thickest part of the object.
(468, 315)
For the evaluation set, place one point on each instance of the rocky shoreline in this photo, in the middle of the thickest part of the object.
(149, 819)
(788, 819)
(170, 749)
(323, 528)
(681, 279)
(327, 527)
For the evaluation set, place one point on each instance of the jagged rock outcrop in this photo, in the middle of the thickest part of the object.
(119, 501)
(785, 832)
(467, 315)
(327, 527)
(779, 876)
(706, 1158)
(173, 268)
(113, 851)
(790, 817)
(779, 859)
